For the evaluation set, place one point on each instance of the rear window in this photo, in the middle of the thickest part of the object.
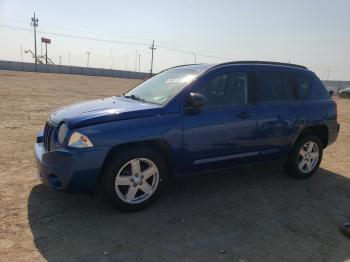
(269, 86)
(298, 86)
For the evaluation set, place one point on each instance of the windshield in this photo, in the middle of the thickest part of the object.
(160, 88)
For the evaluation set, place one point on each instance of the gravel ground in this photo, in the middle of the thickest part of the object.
(246, 214)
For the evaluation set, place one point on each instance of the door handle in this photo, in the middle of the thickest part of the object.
(245, 115)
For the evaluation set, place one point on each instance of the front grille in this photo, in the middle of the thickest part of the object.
(48, 133)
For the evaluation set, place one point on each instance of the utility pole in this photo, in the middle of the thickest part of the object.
(34, 23)
(69, 58)
(21, 53)
(195, 57)
(60, 59)
(88, 58)
(139, 62)
(328, 73)
(152, 48)
(112, 62)
(135, 60)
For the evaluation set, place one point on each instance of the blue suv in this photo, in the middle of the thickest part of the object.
(188, 119)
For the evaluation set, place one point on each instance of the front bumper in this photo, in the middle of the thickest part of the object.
(72, 170)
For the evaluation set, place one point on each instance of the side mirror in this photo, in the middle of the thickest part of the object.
(195, 101)
(331, 93)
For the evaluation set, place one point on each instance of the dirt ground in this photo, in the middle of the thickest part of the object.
(247, 214)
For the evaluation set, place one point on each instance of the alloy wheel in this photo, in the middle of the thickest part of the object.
(137, 180)
(308, 157)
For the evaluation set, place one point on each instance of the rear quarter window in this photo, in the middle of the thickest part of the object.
(298, 86)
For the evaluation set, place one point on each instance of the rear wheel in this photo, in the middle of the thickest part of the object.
(305, 157)
(133, 178)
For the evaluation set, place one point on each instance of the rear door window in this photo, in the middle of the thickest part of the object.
(269, 86)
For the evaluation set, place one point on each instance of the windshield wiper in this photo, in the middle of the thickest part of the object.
(134, 97)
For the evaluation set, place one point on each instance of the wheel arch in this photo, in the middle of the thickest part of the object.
(320, 131)
(158, 145)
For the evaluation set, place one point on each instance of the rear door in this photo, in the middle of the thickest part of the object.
(277, 115)
(222, 133)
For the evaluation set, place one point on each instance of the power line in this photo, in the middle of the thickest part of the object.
(121, 42)
(79, 37)
(76, 30)
(165, 47)
(97, 39)
(191, 52)
(16, 28)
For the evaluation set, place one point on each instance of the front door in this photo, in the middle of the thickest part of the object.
(222, 133)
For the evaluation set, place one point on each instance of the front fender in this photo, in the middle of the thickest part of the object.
(166, 127)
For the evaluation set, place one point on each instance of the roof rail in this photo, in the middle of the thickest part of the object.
(263, 62)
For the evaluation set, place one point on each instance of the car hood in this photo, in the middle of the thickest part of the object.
(103, 110)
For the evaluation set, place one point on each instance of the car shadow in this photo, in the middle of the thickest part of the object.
(244, 214)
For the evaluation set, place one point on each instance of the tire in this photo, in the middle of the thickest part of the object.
(126, 185)
(295, 166)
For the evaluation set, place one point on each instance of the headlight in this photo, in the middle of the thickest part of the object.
(62, 132)
(79, 140)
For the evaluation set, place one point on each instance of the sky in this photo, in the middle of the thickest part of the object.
(314, 33)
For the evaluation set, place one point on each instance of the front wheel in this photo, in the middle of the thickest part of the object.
(132, 179)
(305, 157)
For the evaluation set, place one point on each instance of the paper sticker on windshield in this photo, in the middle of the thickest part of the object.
(185, 79)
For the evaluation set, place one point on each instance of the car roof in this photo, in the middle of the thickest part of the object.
(204, 67)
